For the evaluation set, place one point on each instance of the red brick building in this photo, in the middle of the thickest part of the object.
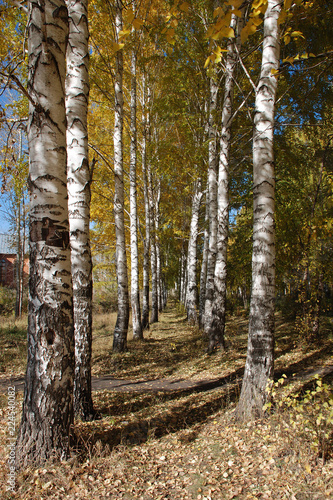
(7, 262)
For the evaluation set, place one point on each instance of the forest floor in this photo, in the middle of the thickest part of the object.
(167, 428)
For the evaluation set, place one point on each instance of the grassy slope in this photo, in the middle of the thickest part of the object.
(183, 444)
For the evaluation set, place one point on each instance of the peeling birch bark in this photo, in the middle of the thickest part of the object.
(216, 329)
(47, 413)
(121, 327)
(78, 184)
(259, 365)
(192, 289)
(135, 296)
(212, 207)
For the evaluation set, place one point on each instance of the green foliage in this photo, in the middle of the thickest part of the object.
(309, 413)
(7, 301)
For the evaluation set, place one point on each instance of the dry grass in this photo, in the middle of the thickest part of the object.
(13, 346)
(183, 444)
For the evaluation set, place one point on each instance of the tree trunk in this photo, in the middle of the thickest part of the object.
(203, 272)
(259, 365)
(217, 327)
(78, 183)
(135, 296)
(158, 249)
(153, 252)
(146, 243)
(121, 328)
(18, 264)
(212, 208)
(192, 289)
(47, 413)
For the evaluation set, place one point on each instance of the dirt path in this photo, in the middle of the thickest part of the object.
(122, 385)
(166, 385)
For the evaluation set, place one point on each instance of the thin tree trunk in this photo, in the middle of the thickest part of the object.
(146, 243)
(158, 248)
(121, 328)
(47, 413)
(78, 183)
(259, 365)
(192, 288)
(203, 272)
(212, 210)
(153, 252)
(19, 256)
(18, 303)
(135, 296)
(216, 331)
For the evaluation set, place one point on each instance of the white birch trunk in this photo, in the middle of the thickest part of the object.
(158, 248)
(260, 361)
(217, 327)
(192, 289)
(146, 243)
(121, 328)
(153, 253)
(212, 208)
(135, 297)
(48, 396)
(203, 271)
(78, 183)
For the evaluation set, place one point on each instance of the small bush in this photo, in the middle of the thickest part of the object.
(105, 299)
(309, 414)
(7, 301)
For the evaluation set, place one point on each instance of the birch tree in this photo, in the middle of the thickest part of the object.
(135, 296)
(153, 252)
(192, 289)
(146, 242)
(48, 395)
(212, 206)
(79, 180)
(203, 271)
(259, 361)
(217, 327)
(121, 327)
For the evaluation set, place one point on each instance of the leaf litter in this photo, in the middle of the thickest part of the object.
(179, 444)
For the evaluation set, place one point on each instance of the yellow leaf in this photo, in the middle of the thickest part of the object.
(258, 3)
(237, 13)
(207, 62)
(304, 56)
(137, 23)
(287, 4)
(124, 33)
(286, 39)
(308, 468)
(217, 11)
(297, 33)
(170, 34)
(235, 3)
(282, 17)
(117, 46)
(245, 34)
(274, 72)
(227, 33)
(185, 7)
(174, 23)
(289, 60)
(257, 21)
(129, 16)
